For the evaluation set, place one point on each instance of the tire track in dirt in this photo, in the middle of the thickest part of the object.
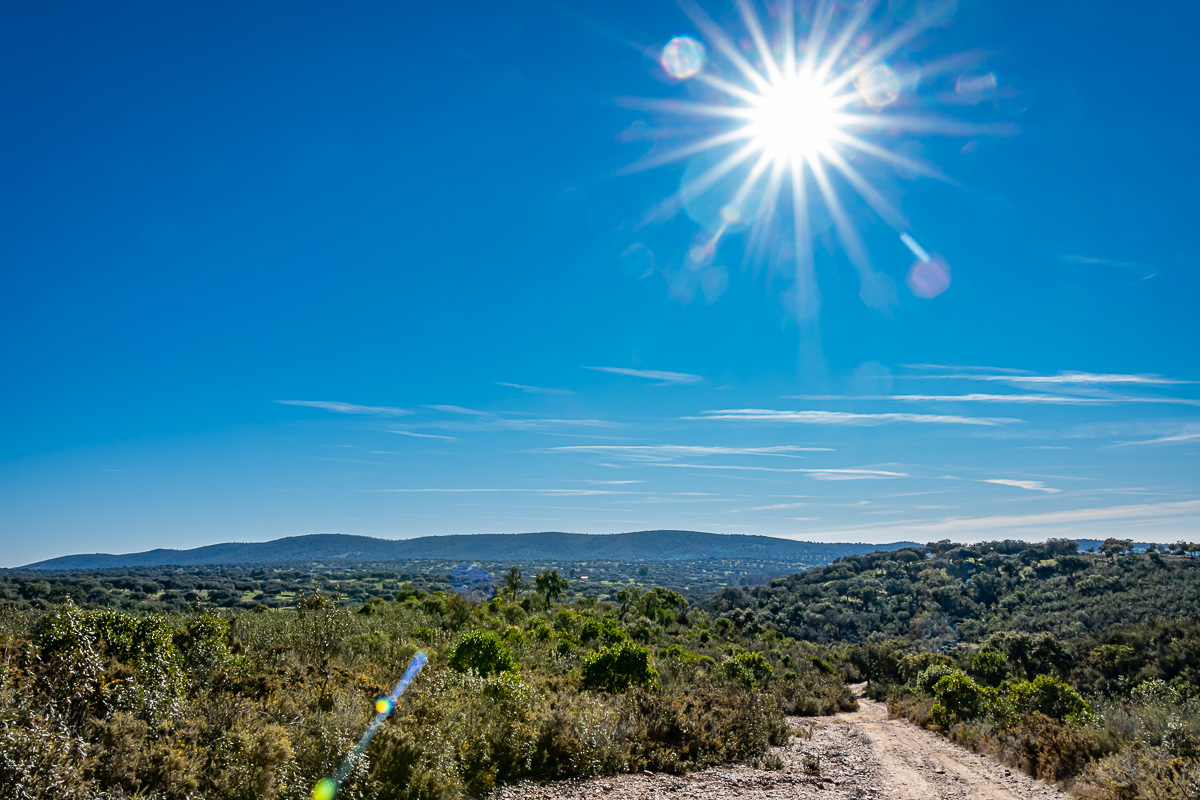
(916, 764)
(855, 756)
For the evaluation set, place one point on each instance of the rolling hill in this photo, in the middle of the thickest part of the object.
(343, 548)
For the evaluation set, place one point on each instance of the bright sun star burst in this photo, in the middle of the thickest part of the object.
(793, 120)
(803, 103)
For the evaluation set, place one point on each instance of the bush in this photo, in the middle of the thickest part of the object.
(989, 667)
(928, 677)
(958, 698)
(1049, 696)
(482, 652)
(618, 667)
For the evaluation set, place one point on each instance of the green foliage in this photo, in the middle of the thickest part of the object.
(748, 668)
(928, 678)
(606, 631)
(989, 667)
(958, 698)
(550, 585)
(482, 652)
(1049, 696)
(617, 667)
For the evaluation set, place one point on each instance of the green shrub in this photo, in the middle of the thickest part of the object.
(618, 667)
(749, 669)
(989, 667)
(1049, 696)
(482, 652)
(928, 677)
(958, 698)
(913, 665)
(606, 631)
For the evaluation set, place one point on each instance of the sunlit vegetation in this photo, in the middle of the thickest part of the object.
(1082, 668)
(175, 590)
(214, 703)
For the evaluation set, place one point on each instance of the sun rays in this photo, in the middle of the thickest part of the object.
(791, 112)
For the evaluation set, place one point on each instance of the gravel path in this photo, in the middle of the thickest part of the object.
(858, 756)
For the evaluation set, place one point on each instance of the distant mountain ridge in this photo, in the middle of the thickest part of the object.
(346, 548)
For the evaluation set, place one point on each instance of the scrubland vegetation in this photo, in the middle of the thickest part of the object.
(1077, 667)
(1083, 668)
(102, 703)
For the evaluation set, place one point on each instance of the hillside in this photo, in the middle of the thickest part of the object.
(341, 548)
(948, 593)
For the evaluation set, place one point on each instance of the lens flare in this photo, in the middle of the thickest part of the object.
(327, 788)
(683, 57)
(879, 86)
(800, 102)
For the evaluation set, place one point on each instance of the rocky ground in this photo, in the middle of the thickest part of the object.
(858, 756)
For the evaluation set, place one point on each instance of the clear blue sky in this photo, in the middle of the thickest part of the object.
(382, 268)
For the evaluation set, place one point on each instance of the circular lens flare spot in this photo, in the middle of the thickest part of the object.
(683, 57)
(879, 86)
(928, 279)
(383, 706)
(324, 790)
(794, 119)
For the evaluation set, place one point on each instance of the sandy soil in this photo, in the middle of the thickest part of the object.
(858, 756)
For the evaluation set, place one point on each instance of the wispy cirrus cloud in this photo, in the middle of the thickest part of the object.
(463, 410)
(664, 377)
(347, 408)
(1143, 270)
(775, 507)
(1046, 399)
(1173, 439)
(1067, 378)
(654, 452)
(1033, 486)
(533, 389)
(490, 490)
(1015, 522)
(820, 473)
(416, 435)
(845, 418)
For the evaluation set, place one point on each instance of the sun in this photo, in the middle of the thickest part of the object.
(793, 120)
(799, 112)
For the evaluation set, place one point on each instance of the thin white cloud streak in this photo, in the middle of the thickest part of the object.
(508, 424)
(845, 418)
(952, 525)
(1146, 271)
(548, 492)
(1070, 378)
(1033, 486)
(416, 435)
(961, 367)
(533, 389)
(665, 377)
(1047, 399)
(469, 412)
(655, 452)
(819, 474)
(1179, 437)
(347, 408)
(775, 507)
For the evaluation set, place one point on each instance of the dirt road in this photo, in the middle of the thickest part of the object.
(858, 756)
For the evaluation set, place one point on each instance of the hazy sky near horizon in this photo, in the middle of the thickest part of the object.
(395, 269)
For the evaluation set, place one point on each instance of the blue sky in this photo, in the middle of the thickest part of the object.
(394, 269)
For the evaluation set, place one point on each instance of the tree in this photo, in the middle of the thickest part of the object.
(514, 582)
(616, 668)
(550, 585)
(1115, 547)
(482, 652)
